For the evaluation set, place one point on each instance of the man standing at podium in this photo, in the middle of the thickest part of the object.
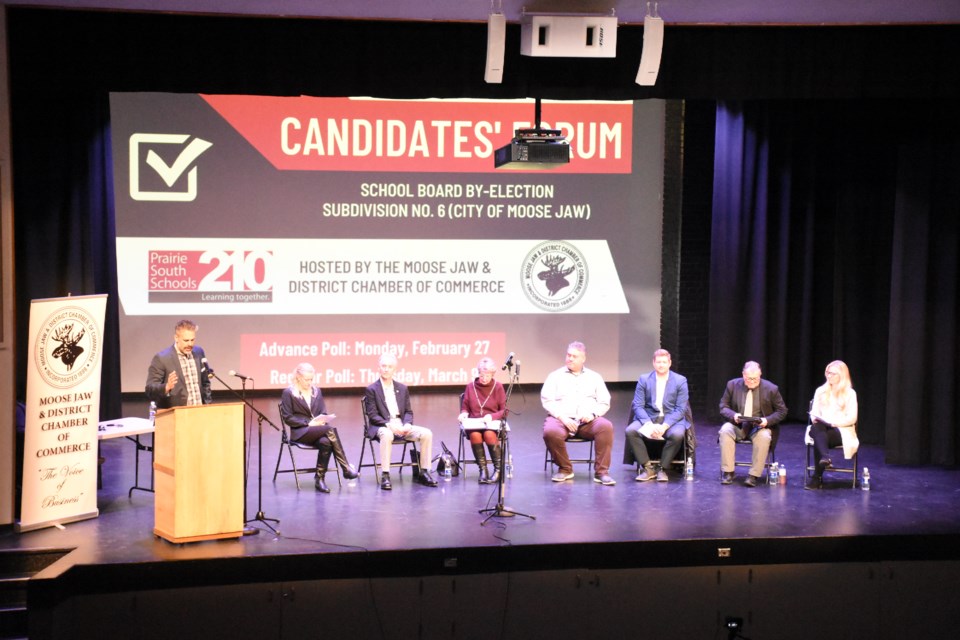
(179, 375)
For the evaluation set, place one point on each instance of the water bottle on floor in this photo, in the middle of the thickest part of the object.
(688, 470)
(774, 474)
(447, 461)
(865, 481)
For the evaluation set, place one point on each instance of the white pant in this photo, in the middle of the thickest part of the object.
(417, 434)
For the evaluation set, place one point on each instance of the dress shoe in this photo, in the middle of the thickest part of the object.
(726, 477)
(751, 481)
(604, 479)
(814, 483)
(426, 479)
(349, 472)
(662, 475)
(825, 463)
(385, 482)
(561, 476)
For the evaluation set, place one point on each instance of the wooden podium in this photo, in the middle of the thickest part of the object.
(198, 472)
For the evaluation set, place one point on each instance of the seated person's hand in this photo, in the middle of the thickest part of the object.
(571, 424)
(814, 419)
(652, 430)
(322, 419)
(462, 417)
(736, 419)
(587, 417)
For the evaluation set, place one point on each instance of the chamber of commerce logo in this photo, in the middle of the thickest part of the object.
(175, 181)
(554, 275)
(68, 347)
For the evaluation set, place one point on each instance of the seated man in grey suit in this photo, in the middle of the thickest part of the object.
(659, 413)
(743, 400)
(179, 375)
(387, 405)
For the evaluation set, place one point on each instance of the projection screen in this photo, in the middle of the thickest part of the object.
(330, 230)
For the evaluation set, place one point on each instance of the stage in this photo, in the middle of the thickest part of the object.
(690, 534)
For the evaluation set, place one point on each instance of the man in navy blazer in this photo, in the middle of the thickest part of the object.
(659, 413)
(765, 405)
(389, 415)
(179, 375)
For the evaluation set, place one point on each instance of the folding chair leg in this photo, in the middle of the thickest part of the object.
(376, 467)
(276, 469)
(293, 463)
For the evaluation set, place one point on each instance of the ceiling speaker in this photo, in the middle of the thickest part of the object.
(652, 50)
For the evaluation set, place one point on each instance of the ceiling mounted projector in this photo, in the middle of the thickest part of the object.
(528, 151)
(533, 149)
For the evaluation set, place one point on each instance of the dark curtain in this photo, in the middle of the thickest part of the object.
(812, 260)
(923, 403)
(65, 232)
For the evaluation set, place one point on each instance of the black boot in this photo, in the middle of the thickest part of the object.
(481, 459)
(347, 469)
(497, 461)
(323, 458)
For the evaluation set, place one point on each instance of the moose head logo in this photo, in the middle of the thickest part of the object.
(69, 350)
(555, 276)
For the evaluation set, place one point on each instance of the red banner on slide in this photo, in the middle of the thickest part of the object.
(350, 359)
(362, 134)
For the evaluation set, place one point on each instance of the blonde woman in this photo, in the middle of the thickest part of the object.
(833, 419)
(304, 411)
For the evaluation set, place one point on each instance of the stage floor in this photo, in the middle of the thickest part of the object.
(764, 524)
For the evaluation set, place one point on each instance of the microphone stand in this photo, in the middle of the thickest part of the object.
(261, 418)
(247, 531)
(500, 511)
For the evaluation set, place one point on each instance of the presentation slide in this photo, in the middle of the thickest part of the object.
(332, 230)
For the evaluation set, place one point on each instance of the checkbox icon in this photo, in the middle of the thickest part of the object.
(172, 173)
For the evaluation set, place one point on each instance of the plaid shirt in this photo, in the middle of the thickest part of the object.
(190, 378)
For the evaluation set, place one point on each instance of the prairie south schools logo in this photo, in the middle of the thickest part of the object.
(162, 166)
(554, 275)
(68, 347)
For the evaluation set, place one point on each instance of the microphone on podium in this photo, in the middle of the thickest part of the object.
(206, 368)
(508, 363)
(240, 375)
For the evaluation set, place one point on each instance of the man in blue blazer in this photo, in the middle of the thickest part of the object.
(179, 375)
(659, 413)
(389, 415)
